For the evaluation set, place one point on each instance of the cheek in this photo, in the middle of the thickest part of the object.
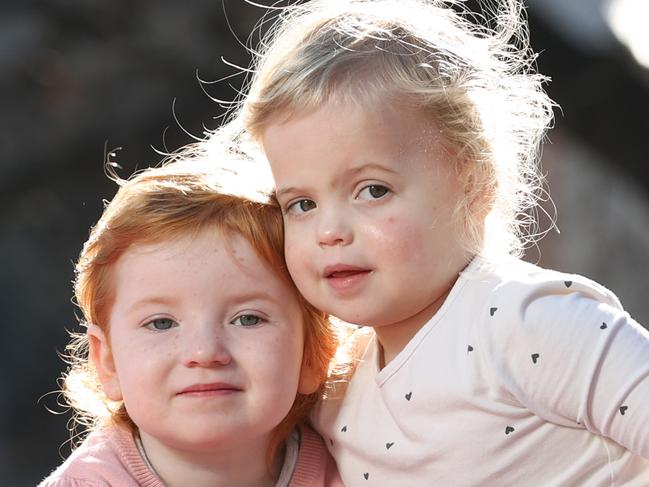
(139, 364)
(297, 258)
(288, 356)
(396, 238)
(278, 366)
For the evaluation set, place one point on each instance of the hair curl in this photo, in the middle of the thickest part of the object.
(474, 76)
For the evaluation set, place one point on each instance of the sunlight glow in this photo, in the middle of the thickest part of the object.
(628, 20)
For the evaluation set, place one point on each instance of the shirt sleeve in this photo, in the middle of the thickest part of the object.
(570, 354)
(71, 481)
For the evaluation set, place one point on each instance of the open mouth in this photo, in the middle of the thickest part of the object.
(343, 271)
(344, 279)
(345, 274)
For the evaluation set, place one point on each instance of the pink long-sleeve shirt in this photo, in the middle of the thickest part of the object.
(110, 457)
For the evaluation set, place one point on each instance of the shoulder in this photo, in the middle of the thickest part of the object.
(315, 467)
(513, 276)
(519, 290)
(560, 344)
(82, 467)
(530, 308)
(108, 456)
(525, 303)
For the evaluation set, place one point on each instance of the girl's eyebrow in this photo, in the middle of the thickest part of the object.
(283, 191)
(348, 173)
(236, 299)
(353, 171)
(150, 301)
(255, 296)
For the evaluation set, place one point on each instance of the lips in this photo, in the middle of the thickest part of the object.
(209, 389)
(345, 279)
(342, 271)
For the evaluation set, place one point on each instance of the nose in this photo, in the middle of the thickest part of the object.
(334, 229)
(206, 347)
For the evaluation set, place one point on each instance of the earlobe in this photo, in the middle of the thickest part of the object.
(309, 380)
(102, 357)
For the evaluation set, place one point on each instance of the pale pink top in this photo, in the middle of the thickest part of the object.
(110, 457)
(525, 376)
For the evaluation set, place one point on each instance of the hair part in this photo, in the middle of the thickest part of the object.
(475, 81)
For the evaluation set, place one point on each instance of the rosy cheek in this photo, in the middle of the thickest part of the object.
(296, 259)
(396, 238)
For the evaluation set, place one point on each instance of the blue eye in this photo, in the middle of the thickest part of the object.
(373, 192)
(247, 320)
(301, 206)
(161, 324)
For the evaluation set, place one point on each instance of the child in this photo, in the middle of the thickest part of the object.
(200, 359)
(403, 139)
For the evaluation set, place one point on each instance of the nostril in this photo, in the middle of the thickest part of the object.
(209, 352)
(335, 238)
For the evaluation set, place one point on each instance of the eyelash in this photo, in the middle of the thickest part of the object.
(369, 187)
(260, 320)
(150, 324)
(290, 208)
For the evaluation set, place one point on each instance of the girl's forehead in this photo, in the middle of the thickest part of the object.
(208, 259)
(393, 123)
(337, 105)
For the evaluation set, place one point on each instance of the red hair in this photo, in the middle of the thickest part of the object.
(179, 198)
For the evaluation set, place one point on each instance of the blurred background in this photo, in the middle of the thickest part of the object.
(80, 79)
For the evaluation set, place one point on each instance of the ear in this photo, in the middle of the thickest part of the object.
(479, 186)
(309, 380)
(102, 357)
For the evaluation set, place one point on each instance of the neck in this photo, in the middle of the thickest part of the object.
(395, 336)
(237, 465)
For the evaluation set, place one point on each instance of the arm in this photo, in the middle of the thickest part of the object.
(573, 357)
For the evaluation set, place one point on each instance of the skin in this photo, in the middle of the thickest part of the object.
(205, 350)
(368, 196)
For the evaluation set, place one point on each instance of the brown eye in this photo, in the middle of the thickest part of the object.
(307, 205)
(377, 191)
(373, 192)
(302, 206)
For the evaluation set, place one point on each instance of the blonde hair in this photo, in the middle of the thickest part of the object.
(476, 82)
(181, 197)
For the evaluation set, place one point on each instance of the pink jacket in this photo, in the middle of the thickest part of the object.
(110, 457)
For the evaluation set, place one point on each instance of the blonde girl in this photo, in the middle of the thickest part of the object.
(404, 137)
